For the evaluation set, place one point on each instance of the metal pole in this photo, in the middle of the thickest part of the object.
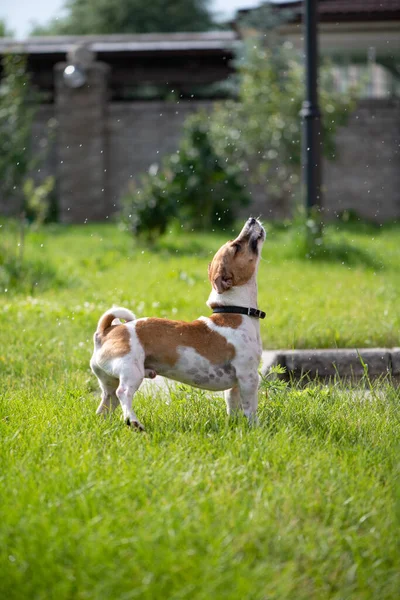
(312, 142)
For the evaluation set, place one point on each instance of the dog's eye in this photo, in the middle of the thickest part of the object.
(237, 247)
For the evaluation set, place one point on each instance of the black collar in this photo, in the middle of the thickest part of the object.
(241, 310)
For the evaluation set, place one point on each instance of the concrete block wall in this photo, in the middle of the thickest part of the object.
(101, 146)
(82, 146)
(45, 112)
(140, 134)
(365, 176)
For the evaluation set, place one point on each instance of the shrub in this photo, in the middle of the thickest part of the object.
(209, 189)
(28, 276)
(196, 185)
(37, 199)
(18, 159)
(146, 207)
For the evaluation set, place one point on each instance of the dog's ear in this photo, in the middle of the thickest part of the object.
(222, 283)
(219, 276)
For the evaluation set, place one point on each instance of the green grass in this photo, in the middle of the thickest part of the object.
(347, 297)
(304, 506)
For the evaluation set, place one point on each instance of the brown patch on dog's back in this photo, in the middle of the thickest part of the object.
(227, 320)
(115, 342)
(161, 338)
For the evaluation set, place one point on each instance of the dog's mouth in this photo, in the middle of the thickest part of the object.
(253, 232)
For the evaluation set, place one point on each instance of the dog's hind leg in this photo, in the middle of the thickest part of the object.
(128, 385)
(104, 405)
(109, 401)
(108, 385)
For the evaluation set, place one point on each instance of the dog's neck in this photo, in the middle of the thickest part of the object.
(242, 295)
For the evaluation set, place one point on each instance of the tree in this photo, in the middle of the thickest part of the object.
(262, 130)
(16, 118)
(18, 158)
(129, 16)
(4, 31)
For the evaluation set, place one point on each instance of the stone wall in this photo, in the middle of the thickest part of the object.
(140, 134)
(100, 147)
(82, 146)
(365, 177)
(44, 113)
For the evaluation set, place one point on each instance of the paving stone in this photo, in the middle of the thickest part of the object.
(395, 361)
(315, 363)
(341, 362)
(271, 358)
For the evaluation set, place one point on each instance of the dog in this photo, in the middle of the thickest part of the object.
(219, 352)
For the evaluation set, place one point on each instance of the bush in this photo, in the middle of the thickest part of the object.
(37, 199)
(195, 185)
(27, 271)
(208, 186)
(18, 158)
(28, 276)
(147, 208)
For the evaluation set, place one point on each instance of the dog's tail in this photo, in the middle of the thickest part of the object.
(110, 315)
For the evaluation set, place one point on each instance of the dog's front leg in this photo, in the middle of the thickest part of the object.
(233, 402)
(248, 387)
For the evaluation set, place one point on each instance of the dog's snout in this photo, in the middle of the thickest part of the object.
(252, 230)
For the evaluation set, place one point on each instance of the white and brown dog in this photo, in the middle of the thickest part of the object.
(220, 352)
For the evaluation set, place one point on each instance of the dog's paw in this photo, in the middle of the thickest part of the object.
(253, 420)
(135, 425)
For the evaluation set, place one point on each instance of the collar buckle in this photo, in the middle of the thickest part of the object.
(241, 310)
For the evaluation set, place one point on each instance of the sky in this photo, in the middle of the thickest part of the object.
(20, 14)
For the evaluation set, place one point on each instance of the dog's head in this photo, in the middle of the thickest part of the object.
(236, 262)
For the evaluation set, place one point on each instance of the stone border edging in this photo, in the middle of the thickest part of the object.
(343, 362)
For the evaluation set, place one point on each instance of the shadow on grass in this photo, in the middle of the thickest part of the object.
(346, 254)
(330, 251)
(190, 248)
(31, 275)
(338, 245)
(184, 244)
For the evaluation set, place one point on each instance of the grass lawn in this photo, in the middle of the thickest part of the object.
(307, 505)
(349, 297)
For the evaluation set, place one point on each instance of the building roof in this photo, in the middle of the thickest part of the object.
(178, 58)
(358, 6)
(345, 10)
(173, 42)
